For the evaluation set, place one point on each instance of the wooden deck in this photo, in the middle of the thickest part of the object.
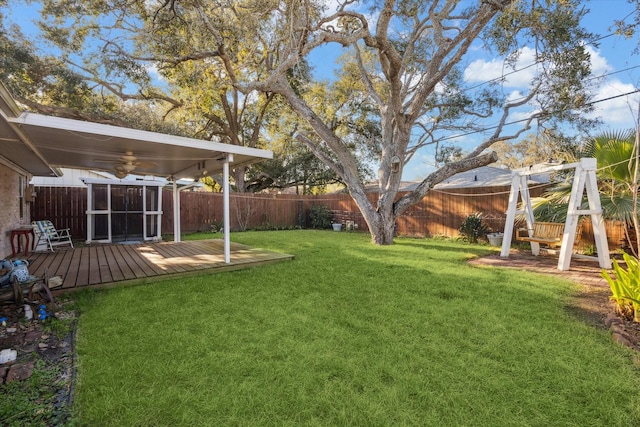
(100, 266)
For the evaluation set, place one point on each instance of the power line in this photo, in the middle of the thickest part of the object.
(524, 120)
(539, 61)
(601, 76)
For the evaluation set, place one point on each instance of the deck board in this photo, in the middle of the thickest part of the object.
(93, 266)
(103, 265)
(119, 269)
(110, 265)
(136, 262)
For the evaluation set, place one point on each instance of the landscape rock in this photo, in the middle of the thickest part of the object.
(33, 335)
(8, 355)
(20, 372)
(611, 319)
(621, 339)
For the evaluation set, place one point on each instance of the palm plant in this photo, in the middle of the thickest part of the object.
(615, 153)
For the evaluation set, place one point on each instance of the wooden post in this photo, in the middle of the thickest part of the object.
(585, 178)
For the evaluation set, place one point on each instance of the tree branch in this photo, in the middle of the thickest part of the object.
(440, 175)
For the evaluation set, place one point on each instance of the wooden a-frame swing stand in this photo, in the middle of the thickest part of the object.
(585, 178)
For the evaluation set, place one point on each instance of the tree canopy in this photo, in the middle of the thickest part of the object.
(402, 85)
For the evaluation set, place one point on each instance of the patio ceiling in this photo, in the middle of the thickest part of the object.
(41, 144)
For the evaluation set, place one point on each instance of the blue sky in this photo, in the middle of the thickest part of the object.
(613, 57)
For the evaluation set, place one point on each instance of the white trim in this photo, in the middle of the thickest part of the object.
(225, 198)
(92, 214)
(8, 163)
(176, 212)
(176, 208)
(107, 132)
(27, 141)
(130, 182)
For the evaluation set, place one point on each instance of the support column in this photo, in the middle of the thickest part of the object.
(176, 212)
(225, 195)
(90, 216)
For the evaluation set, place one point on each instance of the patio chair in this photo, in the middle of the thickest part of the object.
(49, 237)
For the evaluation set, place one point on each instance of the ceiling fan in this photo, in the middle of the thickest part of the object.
(128, 163)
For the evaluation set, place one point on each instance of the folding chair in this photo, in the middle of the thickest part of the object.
(49, 237)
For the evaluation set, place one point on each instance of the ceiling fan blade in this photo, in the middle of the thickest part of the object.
(145, 164)
(127, 167)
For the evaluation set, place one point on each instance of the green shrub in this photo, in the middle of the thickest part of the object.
(625, 288)
(472, 228)
(321, 216)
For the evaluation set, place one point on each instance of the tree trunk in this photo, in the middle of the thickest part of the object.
(384, 230)
(238, 178)
(380, 220)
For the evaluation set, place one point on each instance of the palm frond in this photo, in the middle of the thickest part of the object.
(615, 161)
(618, 207)
(548, 210)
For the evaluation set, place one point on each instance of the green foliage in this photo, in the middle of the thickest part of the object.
(381, 101)
(321, 216)
(472, 228)
(448, 153)
(535, 148)
(613, 151)
(625, 288)
(57, 326)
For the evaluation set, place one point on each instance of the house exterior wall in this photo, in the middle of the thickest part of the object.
(10, 206)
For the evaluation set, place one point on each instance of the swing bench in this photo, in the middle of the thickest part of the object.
(558, 234)
(543, 232)
(549, 233)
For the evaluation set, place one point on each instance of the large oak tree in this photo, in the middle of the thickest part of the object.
(407, 57)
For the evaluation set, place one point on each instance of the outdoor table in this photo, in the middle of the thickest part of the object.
(16, 243)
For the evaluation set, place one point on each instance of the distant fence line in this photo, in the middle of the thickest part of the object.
(438, 213)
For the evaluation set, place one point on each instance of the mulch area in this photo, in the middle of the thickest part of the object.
(585, 272)
(37, 347)
(591, 305)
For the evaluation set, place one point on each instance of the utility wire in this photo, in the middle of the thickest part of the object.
(539, 61)
(524, 120)
(601, 76)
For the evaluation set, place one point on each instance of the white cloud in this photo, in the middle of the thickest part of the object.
(515, 95)
(519, 116)
(616, 111)
(599, 64)
(481, 70)
(155, 73)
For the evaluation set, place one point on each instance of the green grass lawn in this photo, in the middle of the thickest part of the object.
(349, 334)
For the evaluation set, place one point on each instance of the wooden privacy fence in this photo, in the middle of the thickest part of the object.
(440, 212)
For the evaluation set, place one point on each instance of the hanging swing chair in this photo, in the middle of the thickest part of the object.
(565, 234)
